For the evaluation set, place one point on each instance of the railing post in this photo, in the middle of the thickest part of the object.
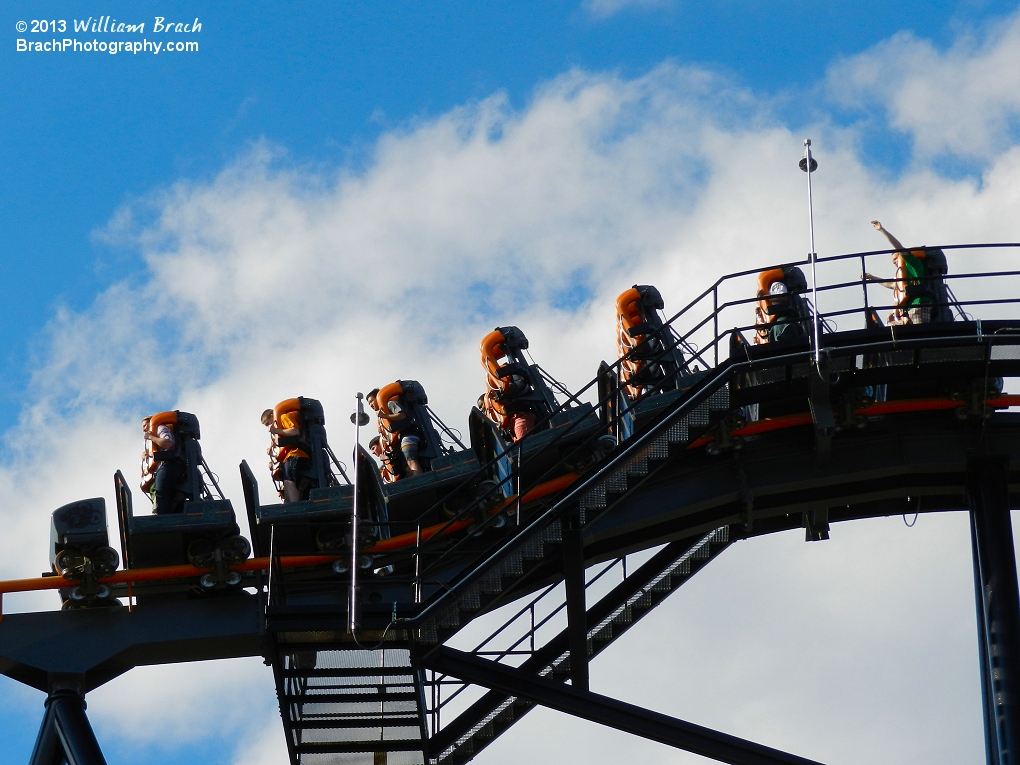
(715, 320)
(998, 606)
(417, 565)
(864, 288)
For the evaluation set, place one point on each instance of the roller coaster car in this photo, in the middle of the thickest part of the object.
(574, 440)
(80, 552)
(652, 371)
(420, 498)
(411, 397)
(204, 532)
(320, 524)
(515, 386)
(650, 354)
(781, 317)
(424, 497)
(935, 360)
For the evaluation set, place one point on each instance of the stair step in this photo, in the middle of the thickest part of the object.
(595, 498)
(512, 565)
(663, 584)
(720, 399)
(534, 548)
(659, 448)
(625, 616)
(638, 465)
(449, 617)
(471, 600)
(553, 533)
(678, 432)
(699, 416)
(617, 481)
(491, 583)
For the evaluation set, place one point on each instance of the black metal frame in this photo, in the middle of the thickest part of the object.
(998, 606)
(576, 511)
(607, 711)
(65, 735)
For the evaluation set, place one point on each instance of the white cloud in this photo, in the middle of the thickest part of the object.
(270, 281)
(963, 100)
(603, 9)
(171, 704)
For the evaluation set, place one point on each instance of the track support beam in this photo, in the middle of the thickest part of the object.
(820, 404)
(606, 711)
(998, 606)
(573, 582)
(65, 735)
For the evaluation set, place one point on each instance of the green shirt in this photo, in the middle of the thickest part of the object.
(914, 271)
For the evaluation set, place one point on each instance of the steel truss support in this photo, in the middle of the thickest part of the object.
(573, 582)
(998, 606)
(544, 655)
(606, 711)
(65, 735)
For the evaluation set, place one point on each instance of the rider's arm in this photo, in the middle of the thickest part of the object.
(892, 239)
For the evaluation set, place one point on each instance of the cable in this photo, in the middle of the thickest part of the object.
(956, 303)
(916, 514)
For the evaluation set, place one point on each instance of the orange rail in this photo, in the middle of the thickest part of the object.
(883, 407)
(187, 571)
(411, 537)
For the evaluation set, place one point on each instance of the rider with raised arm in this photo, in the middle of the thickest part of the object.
(913, 292)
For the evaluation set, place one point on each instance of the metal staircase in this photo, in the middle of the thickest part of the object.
(343, 704)
(528, 554)
(414, 706)
(491, 581)
(615, 613)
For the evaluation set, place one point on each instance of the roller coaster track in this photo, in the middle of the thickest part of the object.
(762, 440)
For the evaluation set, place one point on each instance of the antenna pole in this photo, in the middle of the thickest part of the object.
(809, 165)
(359, 418)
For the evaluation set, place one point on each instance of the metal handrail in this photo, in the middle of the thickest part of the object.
(719, 337)
(723, 373)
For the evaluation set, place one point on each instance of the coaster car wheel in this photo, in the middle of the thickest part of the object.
(209, 581)
(70, 563)
(484, 497)
(333, 538)
(104, 561)
(202, 553)
(589, 457)
(80, 595)
(235, 549)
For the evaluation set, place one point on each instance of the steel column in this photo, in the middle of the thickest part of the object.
(998, 606)
(65, 734)
(573, 582)
(606, 711)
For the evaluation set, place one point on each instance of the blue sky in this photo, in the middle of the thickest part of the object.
(85, 133)
(530, 156)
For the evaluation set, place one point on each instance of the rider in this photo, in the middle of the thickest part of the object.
(292, 460)
(390, 469)
(779, 313)
(166, 474)
(910, 278)
(394, 420)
